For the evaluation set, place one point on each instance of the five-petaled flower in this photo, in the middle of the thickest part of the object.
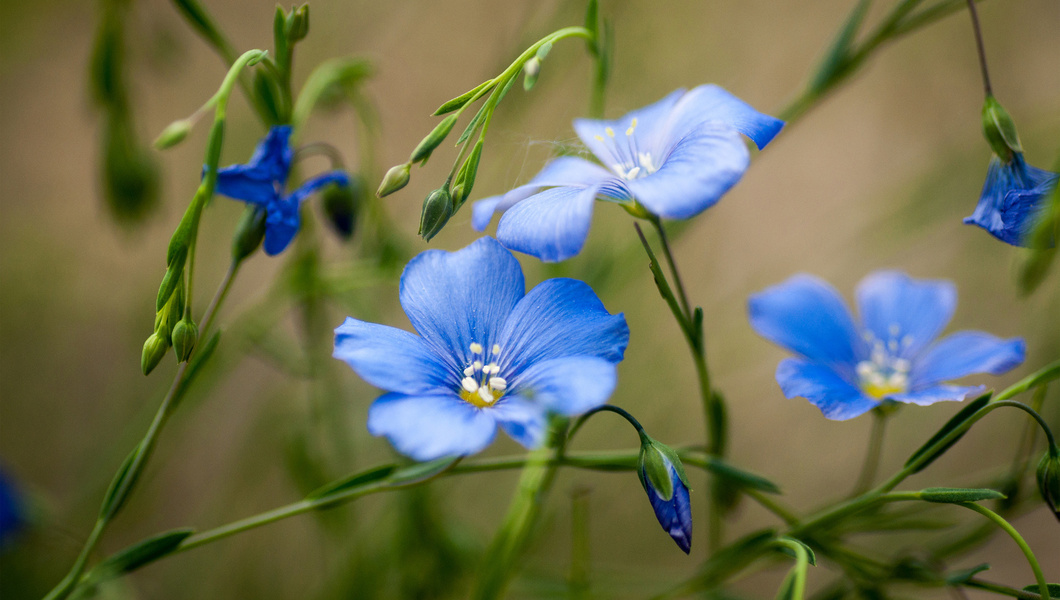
(672, 159)
(1012, 199)
(488, 354)
(846, 369)
(263, 181)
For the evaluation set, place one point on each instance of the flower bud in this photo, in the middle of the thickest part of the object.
(999, 129)
(297, 25)
(396, 178)
(663, 477)
(340, 205)
(531, 69)
(173, 134)
(437, 209)
(428, 144)
(249, 232)
(465, 178)
(185, 335)
(1049, 479)
(155, 349)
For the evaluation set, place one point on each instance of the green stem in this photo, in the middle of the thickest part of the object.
(980, 48)
(70, 580)
(1004, 590)
(219, 298)
(872, 457)
(771, 505)
(1043, 586)
(802, 561)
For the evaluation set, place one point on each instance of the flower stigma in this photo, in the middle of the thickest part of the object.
(481, 385)
(885, 372)
(629, 163)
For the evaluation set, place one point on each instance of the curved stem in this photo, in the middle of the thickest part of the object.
(606, 408)
(979, 46)
(802, 561)
(1043, 586)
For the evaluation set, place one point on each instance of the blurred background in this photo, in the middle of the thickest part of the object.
(877, 175)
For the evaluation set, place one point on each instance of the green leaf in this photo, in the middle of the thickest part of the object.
(1054, 589)
(836, 60)
(118, 490)
(1039, 377)
(957, 495)
(352, 482)
(140, 554)
(956, 421)
(740, 477)
(786, 591)
(964, 575)
(473, 125)
(422, 471)
(810, 556)
(462, 99)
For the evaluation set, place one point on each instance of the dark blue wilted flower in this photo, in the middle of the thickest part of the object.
(1013, 198)
(263, 181)
(845, 368)
(663, 478)
(487, 353)
(673, 159)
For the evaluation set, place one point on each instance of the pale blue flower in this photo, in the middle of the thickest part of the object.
(673, 159)
(1012, 199)
(487, 355)
(262, 182)
(847, 368)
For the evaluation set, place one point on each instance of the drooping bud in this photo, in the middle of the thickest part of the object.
(395, 179)
(437, 209)
(664, 480)
(341, 203)
(1048, 475)
(428, 144)
(999, 129)
(173, 134)
(249, 232)
(297, 25)
(154, 351)
(185, 335)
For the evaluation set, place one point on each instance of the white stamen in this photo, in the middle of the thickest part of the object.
(491, 368)
(468, 372)
(632, 126)
(610, 132)
(470, 385)
(498, 383)
(633, 173)
(496, 349)
(476, 348)
(486, 396)
(894, 329)
(477, 364)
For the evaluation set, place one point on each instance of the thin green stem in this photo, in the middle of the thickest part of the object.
(802, 561)
(1043, 586)
(606, 408)
(69, 582)
(980, 48)
(872, 456)
(1004, 590)
(219, 297)
(681, 295)
(772, 506)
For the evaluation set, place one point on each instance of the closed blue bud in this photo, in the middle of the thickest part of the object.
(663, 477)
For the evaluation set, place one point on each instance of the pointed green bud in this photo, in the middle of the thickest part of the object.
(249, 232)
(396, 178)
(155, 349)
(436, 136)
(1048, 475)
(999, 129)
(465, 178)
(185, 335)
(173, 134)
(531, 69)
(437, 209)
(297, 24)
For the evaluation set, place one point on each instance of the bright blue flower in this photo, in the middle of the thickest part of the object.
(263, 181)
(674, 158)
(674, 511)
(1012, 199)
(487, 353)
(846, 369)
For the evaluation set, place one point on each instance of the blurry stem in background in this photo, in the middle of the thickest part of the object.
(872, 456)
(580, 560)
(980, 48)
(1043, 586)
(691, 324)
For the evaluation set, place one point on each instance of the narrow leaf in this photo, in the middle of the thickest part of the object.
(141, 553)
(353, 481)
(740, 477)
(957, 495)
(422, 471)
(118, 489)
(962, 576)
(1054, 589)
(462, 99)
(1039, 377)
(810, 556)
(956, 421)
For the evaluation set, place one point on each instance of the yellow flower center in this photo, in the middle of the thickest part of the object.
(481, 385)
(885, 374)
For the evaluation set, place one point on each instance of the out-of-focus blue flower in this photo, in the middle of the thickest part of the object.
(487, 353)
(263, 181)
(11, 510)
(664, 480)
(673, 159)
(846, 369)
(1012, 199)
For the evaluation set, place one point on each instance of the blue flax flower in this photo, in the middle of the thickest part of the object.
(845, 368)
(671, 502)
(263, 181)
(673, 159)
(1012, 199)
(488, 354)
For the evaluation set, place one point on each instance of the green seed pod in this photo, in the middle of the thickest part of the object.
(185, 335)
(249, 232)
(155, 349)
(396, 178)
(1048, 475)
(437, 209)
